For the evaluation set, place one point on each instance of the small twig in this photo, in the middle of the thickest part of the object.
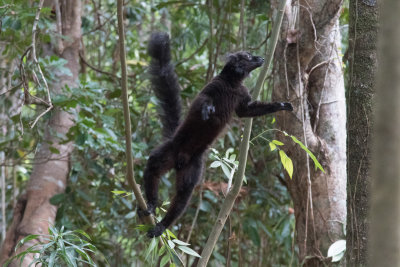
(210, 44)
(241, 33)
(262, 43)
(322, 92)
(36, 100)
(219, 42)
(98, 27)
(196, 215)
(36, 62)
(34, 58)
(60, 46)
(97, 69)
(12, 89)
(309, 189)
(41, 115)
(193, 54)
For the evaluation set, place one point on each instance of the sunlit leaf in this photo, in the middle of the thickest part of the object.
(225, 169)
(164, 260)
(316, 163)
(278, 143)
(171, 244)
(179, 242)
(272, 146)
(337, 250)
(286, 162)
(189, 251)
(215, 164)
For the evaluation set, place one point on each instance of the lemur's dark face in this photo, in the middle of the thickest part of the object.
(242, 63)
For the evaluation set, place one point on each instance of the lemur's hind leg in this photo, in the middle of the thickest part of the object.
(160, 161)
(186, 179)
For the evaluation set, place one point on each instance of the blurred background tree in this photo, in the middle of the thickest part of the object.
(261, 228)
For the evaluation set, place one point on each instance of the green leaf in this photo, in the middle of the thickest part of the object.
(316, 163)
(179, 242)
(215, 164)
(189, 251)
(162, 249)
(83, 233)
(130, 215)
(24, 240)
(143, 227)
(170, 234)
(52, 259)
(57, 199)
(287, 163)
(226, 170)
(278, 143)
(272, 146)
(54, 150)
(118, 192)
(171, 244)
(337, 250)
(164, 260)
(153, 244)
(228, 151)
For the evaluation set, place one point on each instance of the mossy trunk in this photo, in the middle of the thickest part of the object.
(362, 56)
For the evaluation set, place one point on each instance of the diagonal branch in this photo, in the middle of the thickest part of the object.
(128, 134)
(243, 150)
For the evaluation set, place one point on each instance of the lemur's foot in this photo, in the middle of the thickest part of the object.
(156, 231)
(286, 106)
(144, 213)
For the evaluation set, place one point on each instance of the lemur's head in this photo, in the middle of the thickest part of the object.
(240, 64)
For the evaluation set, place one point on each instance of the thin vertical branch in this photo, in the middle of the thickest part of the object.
(309, 189)
(3, 198)
(244, 147)
(210, 44)
(36, 62)
(242, 34)
(127, 119)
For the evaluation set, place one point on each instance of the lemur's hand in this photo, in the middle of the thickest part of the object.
(156, 231)
(286, 106)
(206, 110)
(144, 213)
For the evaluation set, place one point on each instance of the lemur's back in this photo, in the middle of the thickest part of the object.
(197, 133)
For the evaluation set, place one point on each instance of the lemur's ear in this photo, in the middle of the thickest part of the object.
(230, 57)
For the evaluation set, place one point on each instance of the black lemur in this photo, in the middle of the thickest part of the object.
(185, 142)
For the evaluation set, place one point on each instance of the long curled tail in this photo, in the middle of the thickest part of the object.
(164, 82)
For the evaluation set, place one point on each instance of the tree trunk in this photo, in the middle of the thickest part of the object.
(10, 103)
(363, 65)
(309, 75)
(385, 186)
(33, 212)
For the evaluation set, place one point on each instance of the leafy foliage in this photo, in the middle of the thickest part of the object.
(59, 247)
(96, 199)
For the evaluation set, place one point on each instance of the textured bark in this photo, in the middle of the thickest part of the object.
(309, 75)
(385, 182)
(33, 212)
(363, 33)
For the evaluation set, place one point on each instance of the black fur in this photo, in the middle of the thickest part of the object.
(164, 82)
(208, 115)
